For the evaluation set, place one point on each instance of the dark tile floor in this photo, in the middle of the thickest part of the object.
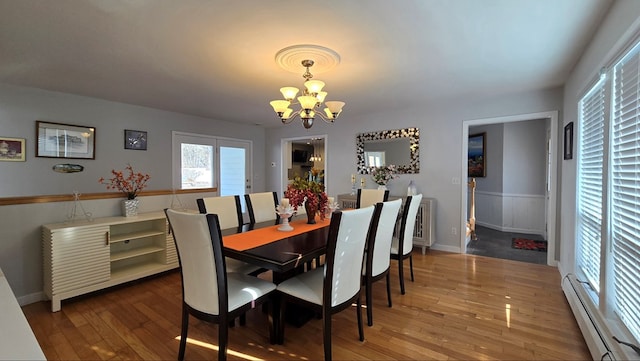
(496, 244)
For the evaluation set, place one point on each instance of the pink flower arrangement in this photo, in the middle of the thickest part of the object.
(130, 185)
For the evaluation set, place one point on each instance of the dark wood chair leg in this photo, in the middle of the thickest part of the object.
(326, 334)
(368, 299)
(183, 332)
(401, 274)
(388, 288)
(282, 310)
(359, 313)
(411, 265)
(223, 339)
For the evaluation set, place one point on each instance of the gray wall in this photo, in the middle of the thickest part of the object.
(440, 148)
(20, 244)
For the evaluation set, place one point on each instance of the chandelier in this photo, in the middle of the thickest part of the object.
(311, 99)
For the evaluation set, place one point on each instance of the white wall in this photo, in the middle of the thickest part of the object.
(621, 24)
(440, 148)
(20, 244)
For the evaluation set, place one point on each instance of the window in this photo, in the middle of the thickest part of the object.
(608, 218)
(625, 190)
(193, 161)
(590, 173)
(205, 162)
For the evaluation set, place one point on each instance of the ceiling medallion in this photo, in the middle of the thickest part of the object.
(312, 97)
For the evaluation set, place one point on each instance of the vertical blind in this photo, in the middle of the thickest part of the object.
(590, 184)
(625, 190)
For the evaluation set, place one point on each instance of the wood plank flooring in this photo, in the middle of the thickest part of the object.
(460, 307)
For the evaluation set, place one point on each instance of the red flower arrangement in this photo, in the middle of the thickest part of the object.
(130, 185)
(313, 192)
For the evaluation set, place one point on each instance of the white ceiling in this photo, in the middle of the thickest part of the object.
(215, 58)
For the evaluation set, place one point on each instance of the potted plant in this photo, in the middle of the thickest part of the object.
(309, 192)
(383, 174)
(130, 185)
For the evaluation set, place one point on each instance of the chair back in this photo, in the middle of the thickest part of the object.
(369, 197)
(227, 208)
(345, 251)
(380, 239)
(408, 224)
(262, 206)
(199, 245)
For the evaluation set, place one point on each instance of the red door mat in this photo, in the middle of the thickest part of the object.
(529, 244)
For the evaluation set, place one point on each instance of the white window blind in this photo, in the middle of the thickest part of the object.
(590, 179)
(625, 190)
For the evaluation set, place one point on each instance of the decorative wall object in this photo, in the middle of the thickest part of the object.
(68, 168)
(12, 149)
(568, 141)
(58, 140)
(135, 139)
(408, 136)
(476, 152)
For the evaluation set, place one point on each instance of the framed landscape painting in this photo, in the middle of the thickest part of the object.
(476, 153)
(58, 140)
(12, 149)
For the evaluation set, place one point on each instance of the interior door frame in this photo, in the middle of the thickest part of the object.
(285, 158)
(552, 167)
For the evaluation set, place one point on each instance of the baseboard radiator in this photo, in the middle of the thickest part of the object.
(597, 336)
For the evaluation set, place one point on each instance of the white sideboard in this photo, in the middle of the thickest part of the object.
(86, 256)
(17, 341)
(424, 231)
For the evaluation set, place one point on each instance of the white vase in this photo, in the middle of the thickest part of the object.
(382, 187)
(130, 207)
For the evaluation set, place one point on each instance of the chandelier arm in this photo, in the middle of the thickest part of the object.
(326, 120)
(291, 117)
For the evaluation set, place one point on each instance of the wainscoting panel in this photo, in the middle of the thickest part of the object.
(521, 213)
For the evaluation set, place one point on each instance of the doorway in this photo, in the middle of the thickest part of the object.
(551, 170)
(302, 155)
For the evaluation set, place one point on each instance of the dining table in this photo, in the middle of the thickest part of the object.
(285, 253)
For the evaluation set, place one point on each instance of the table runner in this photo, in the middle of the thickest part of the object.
(259, 237)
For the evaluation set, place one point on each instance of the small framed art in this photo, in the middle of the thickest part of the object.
(135, 139)
(568, 141)
(58, 140)
(476, 156)
(12, 149)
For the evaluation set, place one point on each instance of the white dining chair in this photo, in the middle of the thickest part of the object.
(369, 197)
(209, 293)
(402, 246)
(262, 206)
(229, 214)
(227, 208)
(376, 260)
(336, 286)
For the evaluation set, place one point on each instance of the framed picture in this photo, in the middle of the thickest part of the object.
(12, 149)
(58, 140)
(568, 141)
(135, 139)
(476, 153)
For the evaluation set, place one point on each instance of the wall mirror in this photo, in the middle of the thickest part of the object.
(399, 147)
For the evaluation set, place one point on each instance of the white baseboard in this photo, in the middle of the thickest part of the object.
(451, 249)
(31, 298)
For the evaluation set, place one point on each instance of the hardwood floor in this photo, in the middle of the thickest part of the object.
(461, 307)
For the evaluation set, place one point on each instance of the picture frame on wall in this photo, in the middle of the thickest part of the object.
(12, 149)
(568, 141)
(59, 140)
(477, 162)
(135, 139)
